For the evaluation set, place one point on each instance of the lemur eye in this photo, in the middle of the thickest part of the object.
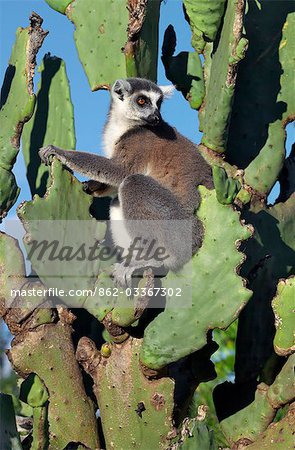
(141, 101)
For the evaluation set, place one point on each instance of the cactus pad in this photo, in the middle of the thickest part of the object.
(270, 257)
(182, 329)
(17, 105)
(216, 108)
(279, 436)
(59, 5)
(131, 405)
(249, 422)
(226, 188)
(33, 392)
(184, 70)
(48, 352)
(12, 269)
(264, 99)
(283, 306)
(68, 210)
(52, 121)
(204, 19)
(100, 33)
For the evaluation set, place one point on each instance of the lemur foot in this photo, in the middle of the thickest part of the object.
(47, 153)
(123, 275)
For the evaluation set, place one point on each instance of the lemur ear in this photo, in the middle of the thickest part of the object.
(121, 87)
(167, 90)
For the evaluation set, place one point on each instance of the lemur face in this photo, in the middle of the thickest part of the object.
(139, 100)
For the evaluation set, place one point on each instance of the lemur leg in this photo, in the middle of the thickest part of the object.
(96, 167)
(152, 213)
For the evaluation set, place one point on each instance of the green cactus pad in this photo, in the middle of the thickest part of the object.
(71, 209)
(182, 329)
(283, 307)
(146, 50)
(184, 70)
(48, 352)
(59, 5)
(226, 188)
(251, 421)
(12, 269)
(33, 392)
(135, 412)
(264, 99)
(196, 435)
(268, 161)
(101, 303)
(52, 122)
(204, 18)
(128, 310)
(17, 105)
(216, 109)
(100, 35)
(9, 436)
(40, 428)
(281, 391)
(270, 257)
(278, 436)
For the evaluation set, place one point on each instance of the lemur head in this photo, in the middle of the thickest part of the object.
(139, 100)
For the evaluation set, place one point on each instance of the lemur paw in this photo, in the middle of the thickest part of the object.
(46, 154)
(91, 186)
(122, 275)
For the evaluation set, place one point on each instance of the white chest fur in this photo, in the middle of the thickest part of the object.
(119, 232)
(113, 131)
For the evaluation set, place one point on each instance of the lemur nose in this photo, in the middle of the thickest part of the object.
(154, 118)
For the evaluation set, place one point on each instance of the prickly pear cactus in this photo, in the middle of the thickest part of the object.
(59, 5)
(12, 269)
(183, 70)
(282, 305)
(53, 101)
(127, 29)
(17, 105)
(49, 353)
(130, 404)
(248, 423)
(49, 217)
(120, 373)
(257, 140)
(182, 329)
(216, 109)
(34, 393)
(278, 435)
(204, 20)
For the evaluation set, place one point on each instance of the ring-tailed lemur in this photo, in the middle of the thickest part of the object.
(153, 170)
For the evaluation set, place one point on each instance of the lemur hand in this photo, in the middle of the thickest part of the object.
(46, 154)
(91, 186)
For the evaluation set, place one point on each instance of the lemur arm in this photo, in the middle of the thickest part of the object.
(96, 167)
